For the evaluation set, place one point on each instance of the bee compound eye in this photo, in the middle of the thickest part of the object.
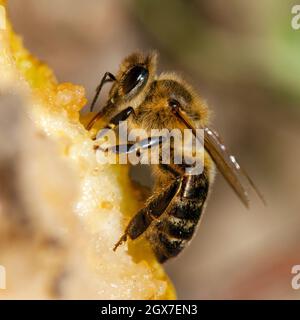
(136, 77)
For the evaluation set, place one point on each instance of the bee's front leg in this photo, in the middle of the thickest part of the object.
(113, 123)
(107, 77)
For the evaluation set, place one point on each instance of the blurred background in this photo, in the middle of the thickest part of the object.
(243, 57)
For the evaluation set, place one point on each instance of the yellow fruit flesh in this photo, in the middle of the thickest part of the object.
(105, 200)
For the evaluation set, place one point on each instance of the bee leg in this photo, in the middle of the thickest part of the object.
(119, 117)
(136, 147)
(150, 142)
(152, 211)
(108, 77)
(175, 229)
(120, 148)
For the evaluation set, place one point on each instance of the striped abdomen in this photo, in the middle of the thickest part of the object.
(171, 232)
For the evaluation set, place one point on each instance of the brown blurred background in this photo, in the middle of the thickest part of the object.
(244, 59)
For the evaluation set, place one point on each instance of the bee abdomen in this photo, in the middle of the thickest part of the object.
(188, 210)
(180, 228)
(170, 234)
(165, 246)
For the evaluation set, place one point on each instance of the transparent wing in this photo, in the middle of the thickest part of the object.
(228, 166)
(225, 162)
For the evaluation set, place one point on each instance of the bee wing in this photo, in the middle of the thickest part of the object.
(226, 163)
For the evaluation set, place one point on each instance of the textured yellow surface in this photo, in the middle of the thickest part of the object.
(85, 210)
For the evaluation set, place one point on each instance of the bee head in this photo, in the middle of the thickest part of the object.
(135, 74)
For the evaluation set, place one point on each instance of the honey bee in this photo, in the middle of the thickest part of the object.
(146, 100)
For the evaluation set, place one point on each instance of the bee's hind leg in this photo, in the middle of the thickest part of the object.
(156, 206)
